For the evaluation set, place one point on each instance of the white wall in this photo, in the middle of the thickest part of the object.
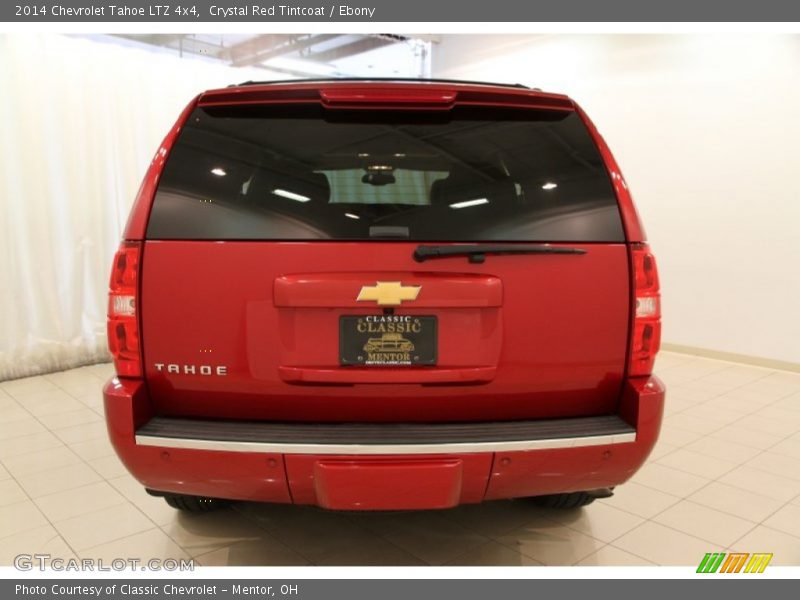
(706, 129)
(80, 120)
(79, 123)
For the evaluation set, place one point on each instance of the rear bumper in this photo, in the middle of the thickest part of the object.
(382, 466)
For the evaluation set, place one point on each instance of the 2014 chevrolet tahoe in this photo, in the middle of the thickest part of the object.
(383, 294)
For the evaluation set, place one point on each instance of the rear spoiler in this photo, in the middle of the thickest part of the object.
(394, 94)
(413, 80)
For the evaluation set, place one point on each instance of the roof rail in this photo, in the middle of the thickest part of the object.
(388, 79)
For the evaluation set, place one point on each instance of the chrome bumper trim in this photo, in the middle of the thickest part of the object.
(383, 449)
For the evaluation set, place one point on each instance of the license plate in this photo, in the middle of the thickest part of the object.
(387, 340)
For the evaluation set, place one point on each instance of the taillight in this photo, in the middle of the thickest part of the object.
(123, 325)
(646, 338)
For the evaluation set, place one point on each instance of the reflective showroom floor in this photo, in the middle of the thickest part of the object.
(725, 475)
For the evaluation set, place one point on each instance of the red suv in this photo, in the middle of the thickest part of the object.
(383, 294)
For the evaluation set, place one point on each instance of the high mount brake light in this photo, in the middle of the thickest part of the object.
(646, 335)
(123, 324)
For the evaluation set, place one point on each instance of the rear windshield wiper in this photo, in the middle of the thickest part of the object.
(477, 254)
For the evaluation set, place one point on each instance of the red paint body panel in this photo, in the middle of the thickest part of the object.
(340, 290)
(243, 476)
(533, 473)
(563, 355)
(380, 482)
(353, 375)
(388, 483)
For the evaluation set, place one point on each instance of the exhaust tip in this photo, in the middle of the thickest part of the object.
(601, 492)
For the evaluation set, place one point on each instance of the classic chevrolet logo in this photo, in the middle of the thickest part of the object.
(388, 293)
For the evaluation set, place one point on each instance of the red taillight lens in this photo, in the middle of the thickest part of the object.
(646, 334)
(123, 325)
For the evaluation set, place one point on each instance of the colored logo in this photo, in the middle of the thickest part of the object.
(735, 562)
(388, 293)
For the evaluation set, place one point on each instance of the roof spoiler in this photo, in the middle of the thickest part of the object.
(422, 94)
(384, 79)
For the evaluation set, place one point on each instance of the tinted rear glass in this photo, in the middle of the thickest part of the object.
(272, 173)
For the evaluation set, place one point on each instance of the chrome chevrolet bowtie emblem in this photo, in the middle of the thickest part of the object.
(388, 293)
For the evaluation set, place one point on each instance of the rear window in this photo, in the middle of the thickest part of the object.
(306, 173)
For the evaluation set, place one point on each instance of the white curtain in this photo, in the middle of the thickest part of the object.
(79, 122)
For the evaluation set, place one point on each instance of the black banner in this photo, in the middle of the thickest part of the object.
(406, 589)
(474, 11)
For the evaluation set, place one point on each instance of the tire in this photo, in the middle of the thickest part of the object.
(197, 504)
(570, 500)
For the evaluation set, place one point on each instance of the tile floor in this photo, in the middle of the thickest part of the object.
(725, 475)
